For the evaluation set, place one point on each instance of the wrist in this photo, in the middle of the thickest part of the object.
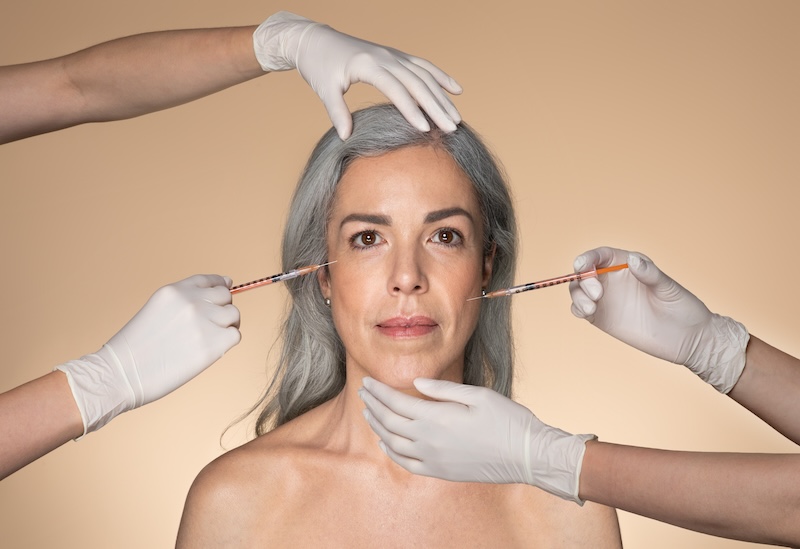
(723, 355)
(99, 387)
(555, 462)
(277, 40)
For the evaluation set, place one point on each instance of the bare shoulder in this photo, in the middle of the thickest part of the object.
(590, 525)
(233, 493)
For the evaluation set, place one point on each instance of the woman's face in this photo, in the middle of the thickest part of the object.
(406, 232)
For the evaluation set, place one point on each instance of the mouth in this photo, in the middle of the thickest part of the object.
(407, 327)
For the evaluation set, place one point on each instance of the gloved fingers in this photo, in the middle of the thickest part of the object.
(223, 316)
(212, 288)
(448, 391)
(217, 295)
(603, 256)
(411, 465)
(205, 281)
(397, 443)
(434, 86)
(592, 288)
(442, 78)
(217, 342)
(583, 306)
(582, 313)
(395, 402)
(338, 111)
(411, 89)
(231, 338)
(394, 90)
(645, 271)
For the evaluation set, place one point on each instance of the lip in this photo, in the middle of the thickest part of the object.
(404, 327)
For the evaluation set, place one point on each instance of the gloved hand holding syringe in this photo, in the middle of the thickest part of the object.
(574, 277)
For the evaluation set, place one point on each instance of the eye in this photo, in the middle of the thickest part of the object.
(447, 237)
(365, 239)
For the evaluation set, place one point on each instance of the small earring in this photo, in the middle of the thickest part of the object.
(483, 292)
(328, 302)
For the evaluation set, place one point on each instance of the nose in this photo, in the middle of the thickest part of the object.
(407, 271)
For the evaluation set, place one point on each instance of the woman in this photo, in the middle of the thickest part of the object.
(417, 224)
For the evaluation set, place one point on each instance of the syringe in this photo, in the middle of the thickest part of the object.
(278, 277)
(550, 282)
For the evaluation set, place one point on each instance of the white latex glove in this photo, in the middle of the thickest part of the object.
(331, 61)
(181, 330)
(646, 309)
(473, 434)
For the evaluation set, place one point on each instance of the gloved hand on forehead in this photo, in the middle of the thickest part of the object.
(473, 434)
(646, 309)
(331, 62)
(181, 330)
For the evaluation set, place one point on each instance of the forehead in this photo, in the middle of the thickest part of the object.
(421, 179)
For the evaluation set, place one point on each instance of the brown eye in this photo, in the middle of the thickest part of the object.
(448, 237)
(365, 239)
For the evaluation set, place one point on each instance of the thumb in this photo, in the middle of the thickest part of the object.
(447, 391)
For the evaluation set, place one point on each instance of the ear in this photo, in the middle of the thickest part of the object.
(488, 265)
(323, 277)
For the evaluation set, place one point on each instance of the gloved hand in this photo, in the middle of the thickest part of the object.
(181, 330)
(331, 61)
(646, 309)
(473, 435)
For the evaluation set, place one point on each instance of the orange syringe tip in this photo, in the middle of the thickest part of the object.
(612, 268)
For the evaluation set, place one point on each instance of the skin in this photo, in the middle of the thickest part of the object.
(41, 413)
(403, 230)
(415, 258)
(123, 78)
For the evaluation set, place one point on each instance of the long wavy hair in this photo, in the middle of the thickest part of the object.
(311, 369)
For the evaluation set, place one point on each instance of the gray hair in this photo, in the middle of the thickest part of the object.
(311, 369)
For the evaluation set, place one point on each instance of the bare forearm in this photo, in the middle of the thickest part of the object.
(123, 78)
(750, 497)
(770, 387)
(35, 418)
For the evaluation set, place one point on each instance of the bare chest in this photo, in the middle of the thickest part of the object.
(430, 515)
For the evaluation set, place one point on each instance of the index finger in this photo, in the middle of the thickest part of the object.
(599, 258)
(207, 280)
(396, 401)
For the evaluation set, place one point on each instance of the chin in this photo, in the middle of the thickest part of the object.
(402, 374)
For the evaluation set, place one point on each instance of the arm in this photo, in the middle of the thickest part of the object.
(123, 78)
(770, 388)
(144, 73)
(748, 497)
(35, 418)
(473, 434)
(182, 329)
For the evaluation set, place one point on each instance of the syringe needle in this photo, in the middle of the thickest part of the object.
(550, 282)
(294, 273)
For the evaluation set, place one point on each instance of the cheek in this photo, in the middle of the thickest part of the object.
(460, 280)
(352, 299)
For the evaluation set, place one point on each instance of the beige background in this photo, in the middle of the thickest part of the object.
(666, 127)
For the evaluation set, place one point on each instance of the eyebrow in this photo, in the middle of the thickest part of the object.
(385, 220)
(438, 215)
(367, 218)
